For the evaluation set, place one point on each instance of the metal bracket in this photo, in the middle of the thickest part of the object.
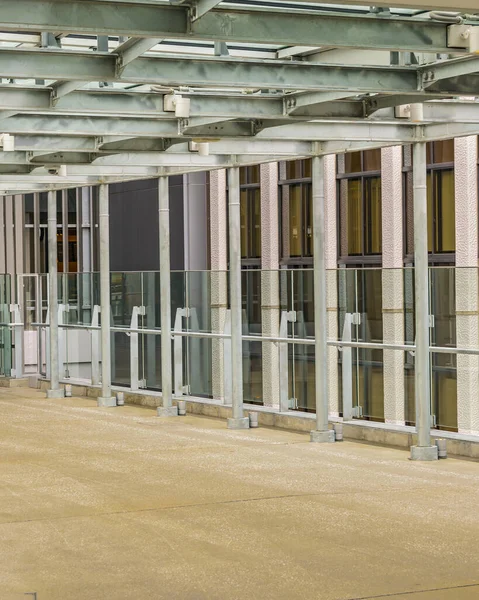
(463, 36)
(357, 412)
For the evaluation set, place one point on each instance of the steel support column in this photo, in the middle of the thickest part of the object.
(423, 450)
(55, 391)
(106, 398)
(321, 433)
(238, 420)
(167, 410)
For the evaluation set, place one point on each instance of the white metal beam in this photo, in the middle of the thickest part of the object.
(249, 24)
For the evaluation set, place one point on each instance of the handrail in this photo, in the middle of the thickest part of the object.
(289, 340)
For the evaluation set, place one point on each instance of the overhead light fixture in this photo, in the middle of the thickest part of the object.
(178, 104)
(7, 142)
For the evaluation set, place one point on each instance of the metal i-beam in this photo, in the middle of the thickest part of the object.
(132, 49)
(150, 128)
(250, 24)
(171, 70)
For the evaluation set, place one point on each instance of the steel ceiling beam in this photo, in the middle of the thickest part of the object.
(249, 24)
(170, 70)
(150, 128)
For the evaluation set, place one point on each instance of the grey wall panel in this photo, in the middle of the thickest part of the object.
(134, 242)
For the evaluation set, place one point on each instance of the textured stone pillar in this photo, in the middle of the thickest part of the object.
(270, 302)
(467, 309)
(219, 266)
(393, 283)
(331, 256)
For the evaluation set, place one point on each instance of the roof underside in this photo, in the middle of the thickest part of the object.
(100, 90)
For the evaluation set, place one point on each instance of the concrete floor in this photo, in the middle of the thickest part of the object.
(116, 503)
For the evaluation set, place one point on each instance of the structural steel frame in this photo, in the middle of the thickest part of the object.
(99, 91)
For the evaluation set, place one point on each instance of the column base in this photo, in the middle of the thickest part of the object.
(169, 411)
(106, 402)
(322, 437)
(423, 453)
(242, 423)
(56, 393)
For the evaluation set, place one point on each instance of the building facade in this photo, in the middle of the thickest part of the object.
(370, 282)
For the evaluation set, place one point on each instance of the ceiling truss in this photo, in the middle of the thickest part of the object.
(100, 90)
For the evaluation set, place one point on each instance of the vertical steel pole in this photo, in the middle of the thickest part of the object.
(167, 410)
(55, 391)
(423, 450)
(106, 398)
(321, 433)
(238, 420)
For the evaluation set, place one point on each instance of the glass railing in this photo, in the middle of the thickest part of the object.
(368, 308)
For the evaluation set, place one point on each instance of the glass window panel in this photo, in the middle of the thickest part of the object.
(244, 223)
(430, 229)
(372, 160)
(72, 206)
(445, 218)
(59, 207)
(72, 251)
(255, 196)
(443, 151)
(243, 175)
(29, 209)
(308, 203)
(354, 217)
(352, 162)
(373, 225)
(293, 169)
(43, 198)
(307, 167)
(254, 174)
(295, 221)
(429, 153)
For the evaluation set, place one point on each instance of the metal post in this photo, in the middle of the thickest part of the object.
(321, 433)
(167, 410)
(55, 391)
(238, 420)
(424, 450)
(106, 398)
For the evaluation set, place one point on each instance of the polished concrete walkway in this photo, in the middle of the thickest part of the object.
(116, 503)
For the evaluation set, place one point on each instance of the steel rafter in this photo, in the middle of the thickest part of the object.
(248, 24)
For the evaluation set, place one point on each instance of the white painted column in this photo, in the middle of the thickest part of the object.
(219, 279)
(106, 398)
(331, 261)
(321, 433)
(167, 410)
(270, 305)
(467, 305)
(238, 420)
(423, 450)
(393, 283)
(55, 391)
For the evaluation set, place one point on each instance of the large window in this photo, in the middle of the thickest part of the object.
(360, 217)
(296, 212)
(441, 236)
(250, 209)
(36, 231)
